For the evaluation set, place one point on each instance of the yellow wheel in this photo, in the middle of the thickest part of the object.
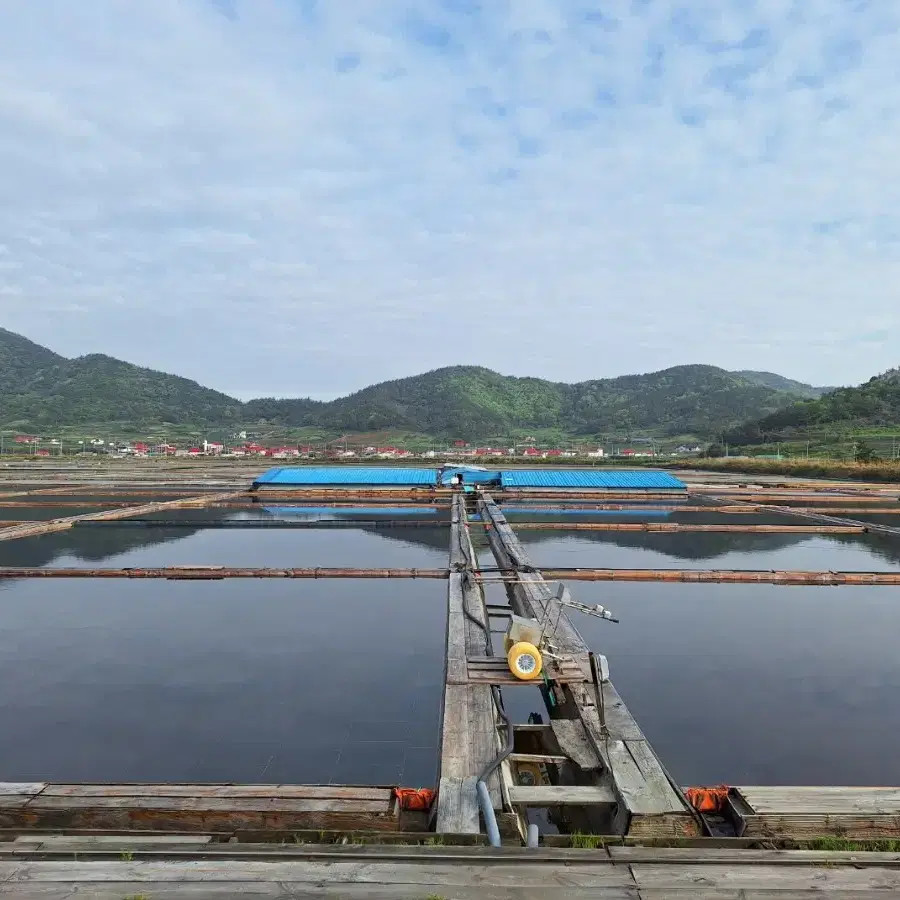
(524, 661)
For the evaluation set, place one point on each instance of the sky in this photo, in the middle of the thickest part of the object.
(300, 198)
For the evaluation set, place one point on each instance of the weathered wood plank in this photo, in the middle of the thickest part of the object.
(275, 891)
(826, 799)
(14, 801)
(8, 788)
(237, 804)
(574, 742)
(765, 877)
(799, 826)
(747, 856)
(538, 758)
(205, 819)
(620, 723)
(275, 792)
(512, 875)
(803, 812)
(558, 795)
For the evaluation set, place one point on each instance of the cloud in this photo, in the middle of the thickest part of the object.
(304, 197)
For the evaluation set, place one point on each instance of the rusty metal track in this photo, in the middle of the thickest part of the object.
(694, 576)
(802, 497)
(724, 576)
(312, 524)
(33, 529)
(444, 504)
(816, 515)
(676, 528)
(274, 524)
(217, 573)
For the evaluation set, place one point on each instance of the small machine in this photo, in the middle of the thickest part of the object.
(527, 641)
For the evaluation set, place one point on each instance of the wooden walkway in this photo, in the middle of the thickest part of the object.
(123, 868)
(469, 738)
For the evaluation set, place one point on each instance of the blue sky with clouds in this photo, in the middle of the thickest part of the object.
(299, 198)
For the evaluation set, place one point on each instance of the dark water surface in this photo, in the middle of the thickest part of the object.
(261, 680)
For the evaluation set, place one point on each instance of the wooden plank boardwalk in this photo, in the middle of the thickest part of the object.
(113, 869)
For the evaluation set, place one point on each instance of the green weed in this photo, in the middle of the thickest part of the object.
(840, 844)
(587, 841)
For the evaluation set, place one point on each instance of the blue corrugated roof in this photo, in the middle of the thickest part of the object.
(578, 478)
(346, 475)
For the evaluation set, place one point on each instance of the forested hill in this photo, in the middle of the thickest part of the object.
(468, 401)
(41, 389)
(875, 403)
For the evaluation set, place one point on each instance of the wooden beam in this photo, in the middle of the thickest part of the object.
(805, 812)
(198, 807)
(37, 528)
(562, 795)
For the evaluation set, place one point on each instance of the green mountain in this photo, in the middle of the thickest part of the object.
(40, 389)
(96, 388)
(780, 383)
(22, 360)
(469, 400)
(876, 403)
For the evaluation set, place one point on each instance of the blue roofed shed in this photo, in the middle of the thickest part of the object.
(344, 476)
(586, 479)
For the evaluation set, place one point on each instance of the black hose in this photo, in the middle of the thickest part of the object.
(510, 737)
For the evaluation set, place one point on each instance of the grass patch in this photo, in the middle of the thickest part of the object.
(834, 843)
(582, 841)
